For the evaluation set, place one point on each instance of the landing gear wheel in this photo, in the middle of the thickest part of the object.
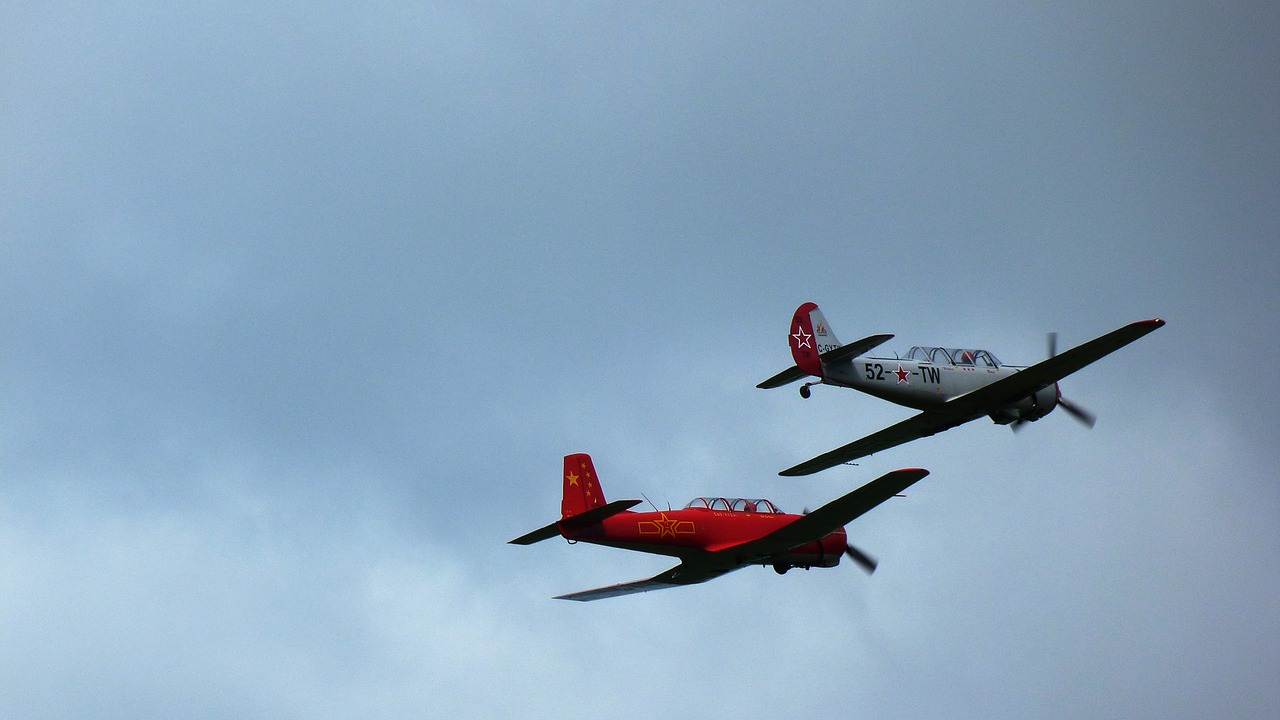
(781, 568)
(804, 391)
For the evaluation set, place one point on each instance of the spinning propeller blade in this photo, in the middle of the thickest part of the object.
(1075, 411)
(867, 562)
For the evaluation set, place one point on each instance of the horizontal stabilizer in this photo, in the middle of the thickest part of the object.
(835, 355)
(854, 349)
(786, 377)
(543, 533)
(595, 515)
(590, 517)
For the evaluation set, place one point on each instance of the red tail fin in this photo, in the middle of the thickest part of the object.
(804, 343)
(581, 486)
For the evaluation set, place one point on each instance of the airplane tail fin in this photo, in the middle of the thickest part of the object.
(582, 490)
(583, 502)
(810, 337)
(814, 346)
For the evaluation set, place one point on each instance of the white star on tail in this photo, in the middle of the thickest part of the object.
(802, 338)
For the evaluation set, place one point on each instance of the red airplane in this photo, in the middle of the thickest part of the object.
(711, 536)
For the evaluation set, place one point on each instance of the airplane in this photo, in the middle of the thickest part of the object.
(710, 536)
(950, 386)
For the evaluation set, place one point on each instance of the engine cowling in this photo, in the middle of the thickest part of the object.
(1037, 405)
(819, 553)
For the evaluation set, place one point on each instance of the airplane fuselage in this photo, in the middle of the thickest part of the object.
(689, 531)
(915, 384)
(927, 386)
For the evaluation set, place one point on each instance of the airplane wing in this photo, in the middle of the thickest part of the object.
(1046, 372)
(844, 352)
(829, 517)
(982, 401)
(686, 573)
(927, 423)
(601, 593)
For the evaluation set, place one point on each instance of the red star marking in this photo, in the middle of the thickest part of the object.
(902, 374)
(802, 338)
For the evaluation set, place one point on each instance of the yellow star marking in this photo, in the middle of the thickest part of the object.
(573, 479)
(666, 527)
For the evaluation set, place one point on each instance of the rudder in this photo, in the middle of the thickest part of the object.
(810, 337)
(582, 490)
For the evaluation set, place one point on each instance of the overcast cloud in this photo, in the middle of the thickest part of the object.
(300, 307)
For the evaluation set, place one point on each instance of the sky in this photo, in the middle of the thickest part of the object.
(301, 306)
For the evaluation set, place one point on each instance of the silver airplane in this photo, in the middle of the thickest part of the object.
(950, 386)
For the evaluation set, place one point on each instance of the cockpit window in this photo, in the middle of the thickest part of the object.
(986, 359)
(740, 505)
(953, 356)
(935, 355)
(765, 506)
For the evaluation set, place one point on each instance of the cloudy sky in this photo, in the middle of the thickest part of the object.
(300, 307)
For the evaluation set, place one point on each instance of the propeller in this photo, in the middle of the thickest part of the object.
(1075, 411)
(867, 562)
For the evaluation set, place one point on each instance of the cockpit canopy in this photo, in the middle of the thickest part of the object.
(953, 356)
(756, 505)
